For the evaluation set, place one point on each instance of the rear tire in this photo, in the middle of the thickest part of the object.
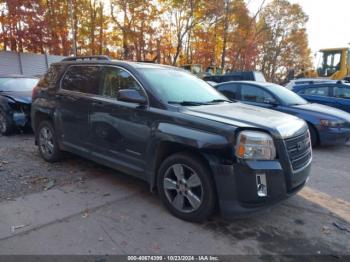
(47, 142)
(313, 135)
(6, 124)
(186, 187)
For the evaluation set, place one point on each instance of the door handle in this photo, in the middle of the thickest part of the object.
(97, 103)
(72, 98)
(66, 97)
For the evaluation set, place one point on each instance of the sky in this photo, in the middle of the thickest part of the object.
(328, 24)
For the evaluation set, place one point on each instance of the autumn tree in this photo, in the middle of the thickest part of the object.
(183, 16)
(22, 25)
(176, 32)
(90, 24)
(134, 19)
(285, 42)
(202, 45)
(56, 17)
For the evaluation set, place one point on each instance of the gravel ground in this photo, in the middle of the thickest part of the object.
(22, 171)
(313, 222)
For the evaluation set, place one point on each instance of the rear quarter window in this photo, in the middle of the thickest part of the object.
(342, 92)
(49, 80)
(315, 91)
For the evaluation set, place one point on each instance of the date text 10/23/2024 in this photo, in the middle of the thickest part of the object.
(173, 258)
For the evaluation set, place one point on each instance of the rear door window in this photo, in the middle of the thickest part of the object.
(83, 79)
(315, 91)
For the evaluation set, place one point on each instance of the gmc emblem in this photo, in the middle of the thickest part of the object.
(301, 145)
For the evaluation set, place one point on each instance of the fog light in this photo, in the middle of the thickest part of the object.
(261, 185)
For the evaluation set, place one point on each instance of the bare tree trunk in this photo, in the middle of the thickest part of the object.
(4, 33)
(100, 51)
(158, 51)
(75, 18)
(224, 44)
(188, 47)
(178, 50)
(93, 13)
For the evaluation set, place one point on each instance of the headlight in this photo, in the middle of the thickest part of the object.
(254, 145)
(332, 123)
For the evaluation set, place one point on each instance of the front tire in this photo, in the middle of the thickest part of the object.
(313, 135)
(186, 187)
(6, 124)
(47, 142)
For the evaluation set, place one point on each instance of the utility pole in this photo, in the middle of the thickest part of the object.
(70, 7)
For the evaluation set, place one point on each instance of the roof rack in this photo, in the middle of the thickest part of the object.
(93, 57)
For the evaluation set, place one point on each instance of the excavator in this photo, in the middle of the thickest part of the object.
(334, 63)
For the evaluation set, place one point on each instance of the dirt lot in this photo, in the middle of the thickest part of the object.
(79, 207)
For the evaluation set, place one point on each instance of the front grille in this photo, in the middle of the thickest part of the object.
(299, 150)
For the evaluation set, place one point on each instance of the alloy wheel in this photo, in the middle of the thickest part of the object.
(46, 141)
(3, 124)
(183, 188)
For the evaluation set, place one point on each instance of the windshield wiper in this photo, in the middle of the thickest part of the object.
(194, 103)
(187, 103)
(297, 104)
(219, 101)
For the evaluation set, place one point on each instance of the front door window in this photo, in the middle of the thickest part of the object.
(115, 79)
(255, 94)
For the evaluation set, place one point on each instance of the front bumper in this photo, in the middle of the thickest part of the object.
(237, 187)
(334, 136)
(21, 119)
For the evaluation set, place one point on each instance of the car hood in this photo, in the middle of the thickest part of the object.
(279, 124)
(24, 97)
(324, 110)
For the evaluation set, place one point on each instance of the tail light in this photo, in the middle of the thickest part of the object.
(35, 92)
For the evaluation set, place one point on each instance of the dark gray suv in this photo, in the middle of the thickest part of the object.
(173, 130)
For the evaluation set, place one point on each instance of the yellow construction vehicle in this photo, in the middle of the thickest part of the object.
(333, 63)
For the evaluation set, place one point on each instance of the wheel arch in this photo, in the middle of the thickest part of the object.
(168, 148)
(311, 125)
(38, 117)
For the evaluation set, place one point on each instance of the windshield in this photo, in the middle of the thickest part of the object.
(175, 86)
(17, 84)
(330, 63)
(286, 96)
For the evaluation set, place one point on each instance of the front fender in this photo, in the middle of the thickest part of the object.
(186, 137)
(194, 138)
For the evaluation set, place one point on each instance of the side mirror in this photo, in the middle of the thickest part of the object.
(131, 96)
(272, 103)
